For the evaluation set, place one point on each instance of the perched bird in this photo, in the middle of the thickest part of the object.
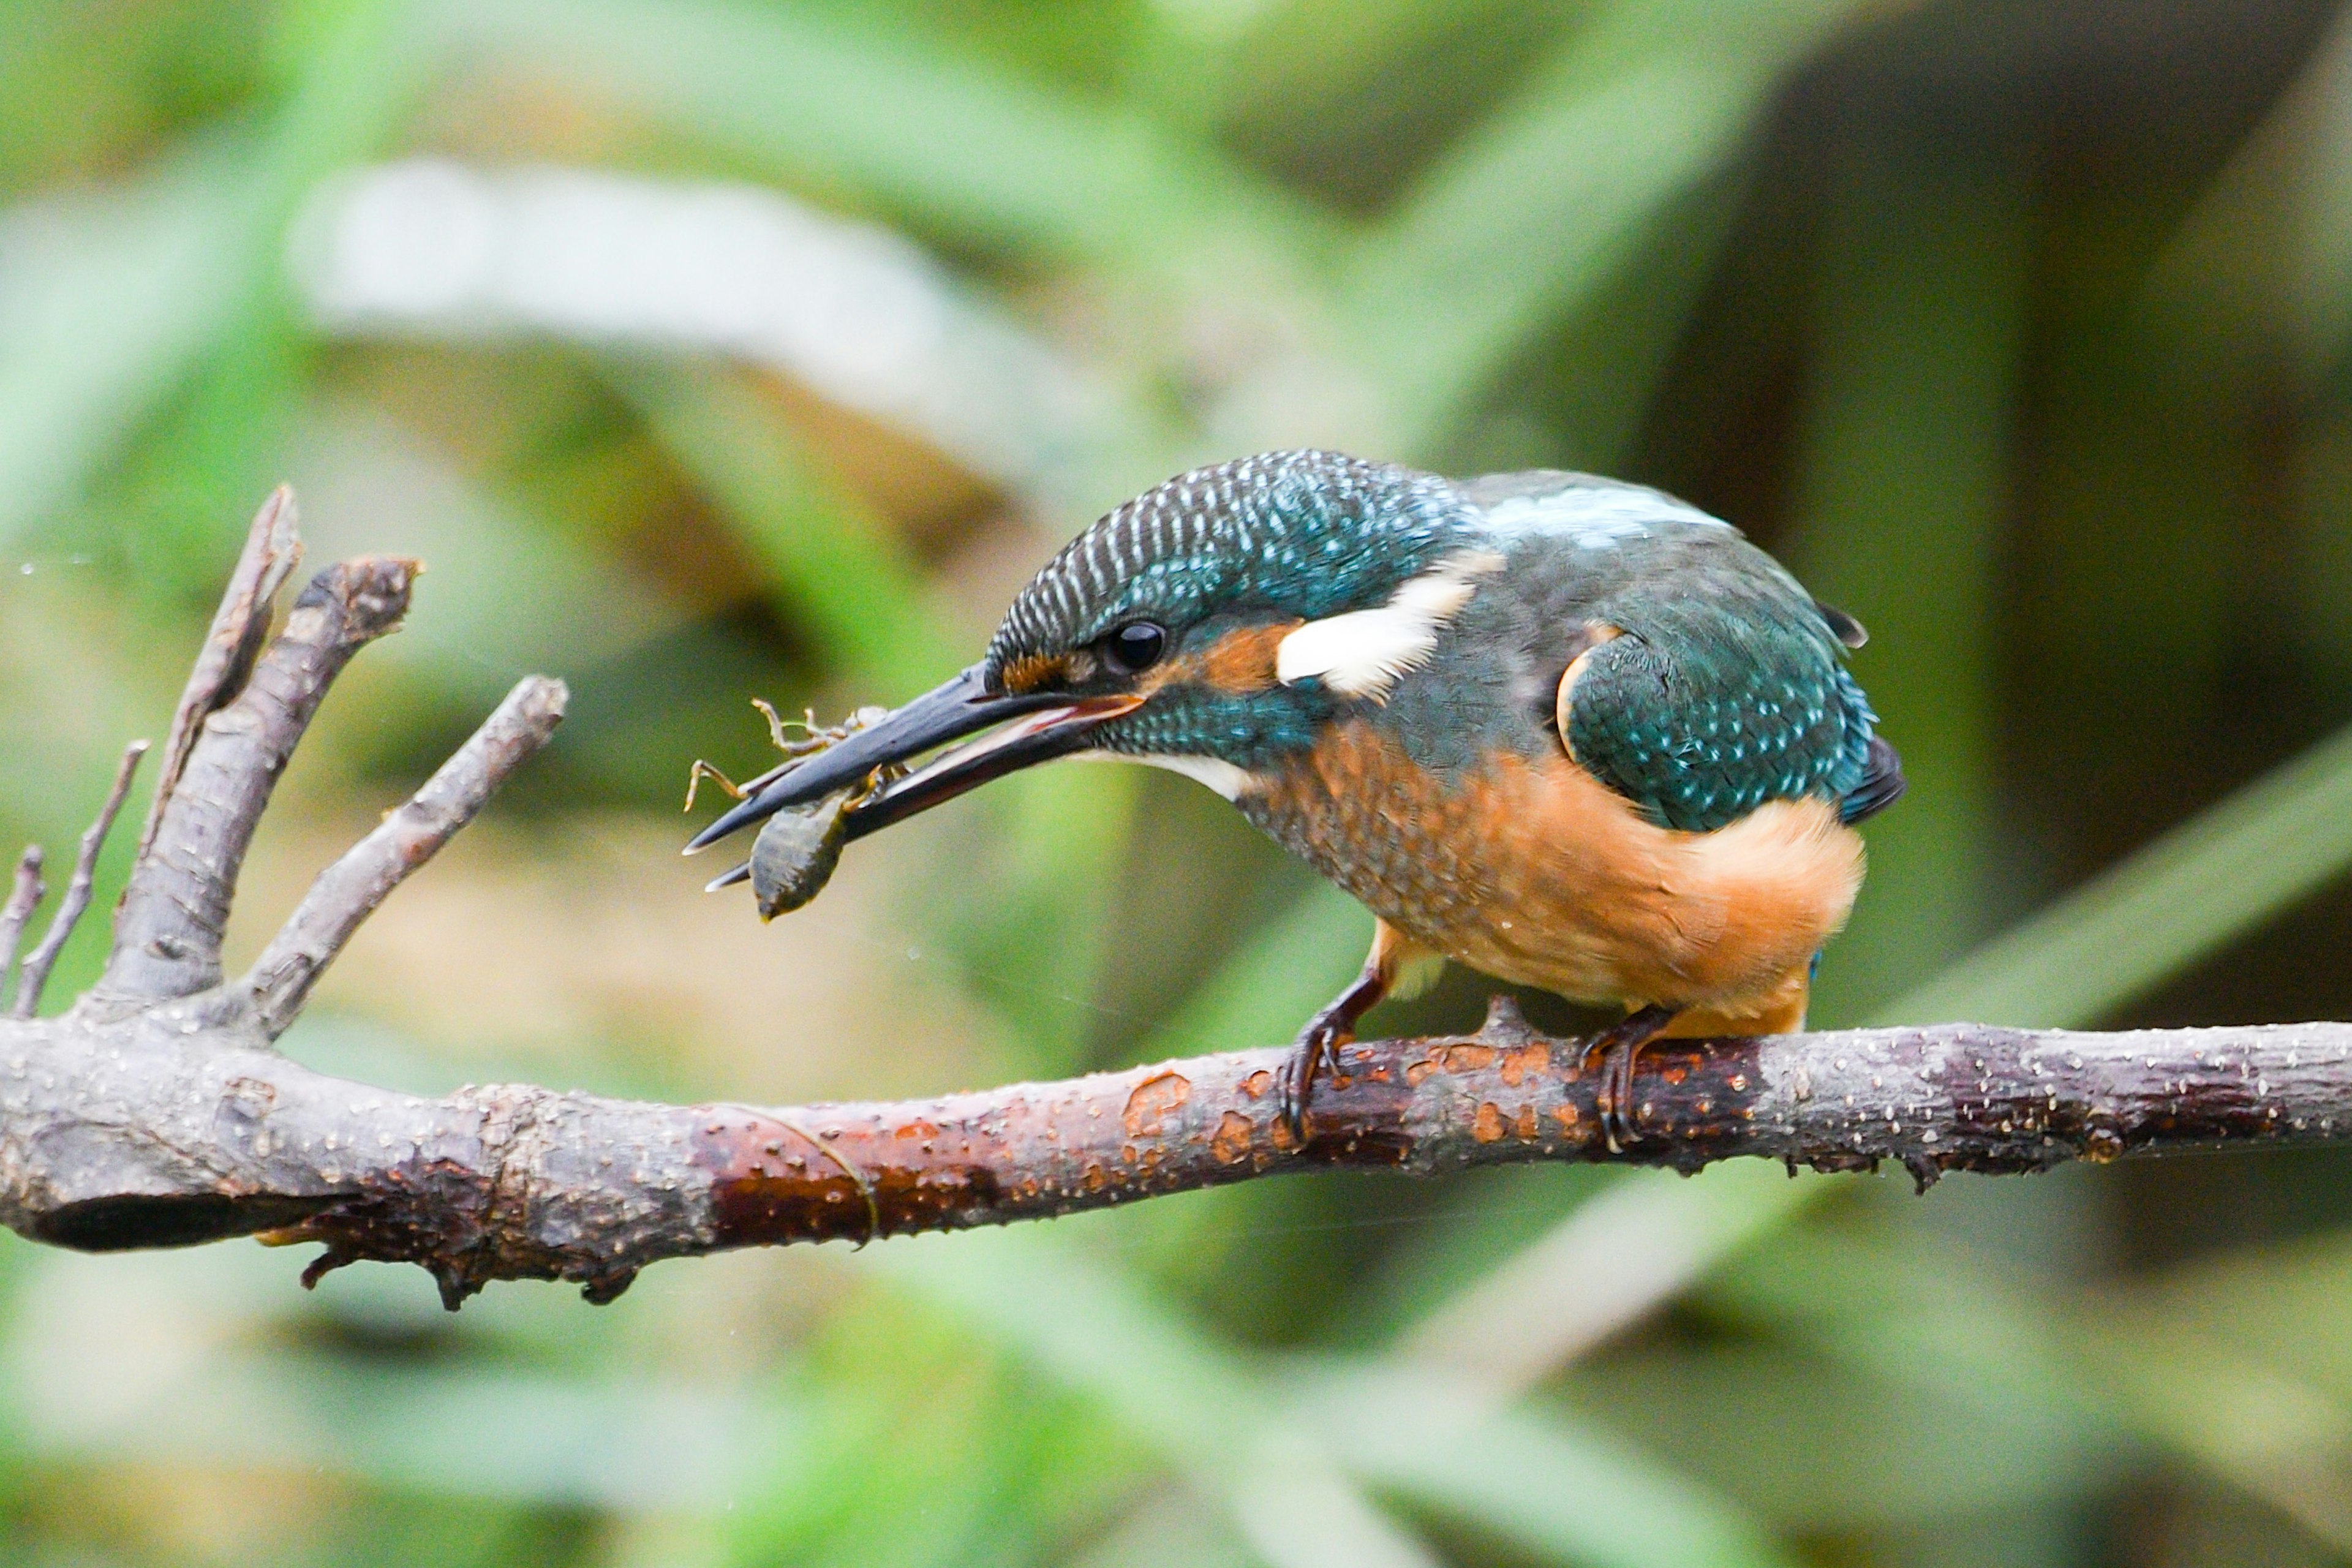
(1572, 732)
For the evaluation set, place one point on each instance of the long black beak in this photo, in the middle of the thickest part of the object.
(1053, 725)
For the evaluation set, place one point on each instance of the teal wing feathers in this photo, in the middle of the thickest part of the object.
(1703, 710)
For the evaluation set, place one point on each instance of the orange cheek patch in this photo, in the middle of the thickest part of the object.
(1243, 660)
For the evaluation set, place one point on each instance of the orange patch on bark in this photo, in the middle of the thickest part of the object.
(1231, 1143)
(1522, 1062)
(1488, 1126)
(1463, 1059)
(1153, 1099)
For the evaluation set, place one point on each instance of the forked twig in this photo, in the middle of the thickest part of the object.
(273, 548)
(38, 962)
(23, 897)
(175, 904)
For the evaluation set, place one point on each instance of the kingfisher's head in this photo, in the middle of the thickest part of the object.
(1208, 625)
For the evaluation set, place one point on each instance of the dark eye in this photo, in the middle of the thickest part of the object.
(1136, 646)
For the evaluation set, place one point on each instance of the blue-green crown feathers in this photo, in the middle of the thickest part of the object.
(1296, 533)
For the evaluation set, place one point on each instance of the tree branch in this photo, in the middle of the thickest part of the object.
(348, 891)
(38, 964)
(167, 930)
(25, 891)
(155, 1112)
(273, 547)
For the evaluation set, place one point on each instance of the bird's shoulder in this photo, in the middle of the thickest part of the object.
(1700, 679)
(1562, 500)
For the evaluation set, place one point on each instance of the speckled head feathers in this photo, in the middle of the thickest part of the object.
(1297, 533)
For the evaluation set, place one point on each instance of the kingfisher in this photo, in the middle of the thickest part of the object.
(1569, 732)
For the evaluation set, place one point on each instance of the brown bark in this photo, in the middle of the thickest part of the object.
(155, 1112)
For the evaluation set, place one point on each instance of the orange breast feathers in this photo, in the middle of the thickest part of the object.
(1536, 872)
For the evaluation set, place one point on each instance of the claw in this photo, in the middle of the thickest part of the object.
(1618, 1046)
(1317, 1048)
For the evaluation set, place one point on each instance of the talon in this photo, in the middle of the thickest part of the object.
(1318, 1046)
(1618, 1047)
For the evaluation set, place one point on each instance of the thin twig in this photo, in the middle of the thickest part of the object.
(273, 547)
(85, 873)
(168, 927)
(348, 891)
(23, 897)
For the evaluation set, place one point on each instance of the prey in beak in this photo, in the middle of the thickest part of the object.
(864, 781)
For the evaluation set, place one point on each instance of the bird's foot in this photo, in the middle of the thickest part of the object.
(1618, 1046)
(1316, 1049)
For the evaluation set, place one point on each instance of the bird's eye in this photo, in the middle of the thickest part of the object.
(1134, 647)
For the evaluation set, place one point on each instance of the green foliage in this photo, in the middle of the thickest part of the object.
(2046, 387)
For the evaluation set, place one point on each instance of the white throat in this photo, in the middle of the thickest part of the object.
(1224, 777)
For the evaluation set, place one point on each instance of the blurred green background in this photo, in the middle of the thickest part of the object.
(711, 349)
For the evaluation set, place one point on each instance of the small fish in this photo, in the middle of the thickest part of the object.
(797, 850)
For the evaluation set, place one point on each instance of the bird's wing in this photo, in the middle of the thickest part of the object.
(1701, 710)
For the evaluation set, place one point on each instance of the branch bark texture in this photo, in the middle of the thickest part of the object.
(156, 1111)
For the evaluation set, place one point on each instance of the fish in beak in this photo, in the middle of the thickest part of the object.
(1036, 728)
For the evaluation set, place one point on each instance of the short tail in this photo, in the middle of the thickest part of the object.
(1882, 784)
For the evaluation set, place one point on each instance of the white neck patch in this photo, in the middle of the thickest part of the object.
(1364, 653)
(1226, 778)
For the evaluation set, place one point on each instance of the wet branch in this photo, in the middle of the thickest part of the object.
(156, 1112)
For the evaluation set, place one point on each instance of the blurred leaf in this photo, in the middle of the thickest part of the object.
(839, 569)
(1213, 1417)
(1276, 1446)
(1275, 984)
(1004, 1471)
(2190, 893)
(1974, 1337)
(471, 1433)
(104, 301)
(1600, 1271)
(955, 146)
(1534, 209)
(507, 591)
(110, 302)
(1875, 1455)
(1547, 1485)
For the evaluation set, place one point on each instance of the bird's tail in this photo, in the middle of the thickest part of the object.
(1882, 784)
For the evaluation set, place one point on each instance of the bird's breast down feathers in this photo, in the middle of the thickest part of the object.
(1538, 873)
